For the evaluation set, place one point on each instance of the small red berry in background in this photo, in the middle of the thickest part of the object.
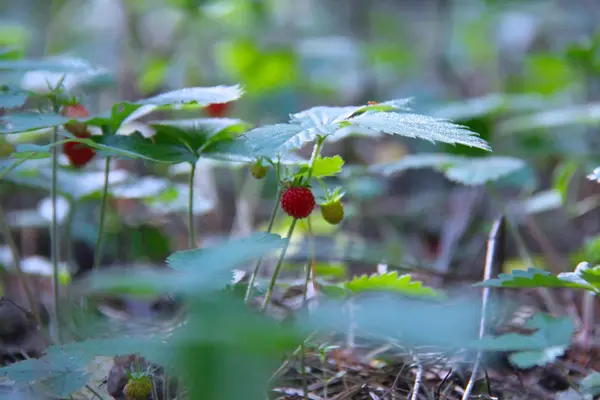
(298, 202)
(75, 111)
(218, 110)
(78, 153)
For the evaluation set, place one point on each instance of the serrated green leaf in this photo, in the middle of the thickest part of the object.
(137, 146)
(585, 275)
(324, 166)
(194, 271)
(531, 278)
(268, 141)
(22, 122)
(202, 96)
(419, 127)
(389, 282)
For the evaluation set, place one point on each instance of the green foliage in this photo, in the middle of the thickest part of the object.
(549, 340)
(324, 166)
(468, 171)
(389, 282)
(56, 374)
(27, 121)
(584, 277)
(193, 272)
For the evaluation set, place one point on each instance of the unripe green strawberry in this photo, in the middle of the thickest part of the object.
(259, 171)
(138, 388)
(298, 201)
(333, 212)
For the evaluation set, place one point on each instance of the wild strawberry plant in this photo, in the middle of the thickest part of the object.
(219, 331)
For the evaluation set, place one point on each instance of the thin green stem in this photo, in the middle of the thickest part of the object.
(103, 204)
(68, 233)
(310, 262)
(278, 266)
(313, 157)
(259, 262)
(17, 262)
(55, 253)
(13, 166)
(191, 227)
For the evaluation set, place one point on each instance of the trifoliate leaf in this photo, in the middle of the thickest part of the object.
(531, 278)
(324, 166)
(389, 282)
(419, 127)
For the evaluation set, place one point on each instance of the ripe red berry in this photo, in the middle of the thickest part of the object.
(217, 110)
(75, 111)
(78, 153)
(298, 202)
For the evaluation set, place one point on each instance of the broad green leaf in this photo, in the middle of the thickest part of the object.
(549, 341)
(325, 166)
(11, 100)
(202, 96)
(468, 171)
(21, 122)
(389, 282)
(52, 64)
(221, 335)
(58, 374)
(268, 141)
(419, 127)
(595, 175)
(423, 321)
(137, 146)
(531, 278)
(481, 170)
(587, 114)
(175, 199)
(194, 271)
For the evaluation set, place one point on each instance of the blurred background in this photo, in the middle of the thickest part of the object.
(522, 74)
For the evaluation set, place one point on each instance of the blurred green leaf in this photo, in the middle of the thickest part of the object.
(586, 114)
(194, 271)
(549, 341)
(202, 96)
(153, 74)
(58, 374)
(468, 171)
(21, 122)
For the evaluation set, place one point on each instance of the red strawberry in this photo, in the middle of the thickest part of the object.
(217, 110)
(78, 153)
(298, 202)
(75, 111)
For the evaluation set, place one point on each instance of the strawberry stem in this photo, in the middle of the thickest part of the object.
(191, 227)
(259, 262)
(278, 266)
(55, 248)
(100, 238)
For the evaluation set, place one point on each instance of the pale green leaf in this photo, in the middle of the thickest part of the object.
(202, 96)
(325, 166)
(531, 278)
(419, 127)
(586, 114)
(22, 122)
